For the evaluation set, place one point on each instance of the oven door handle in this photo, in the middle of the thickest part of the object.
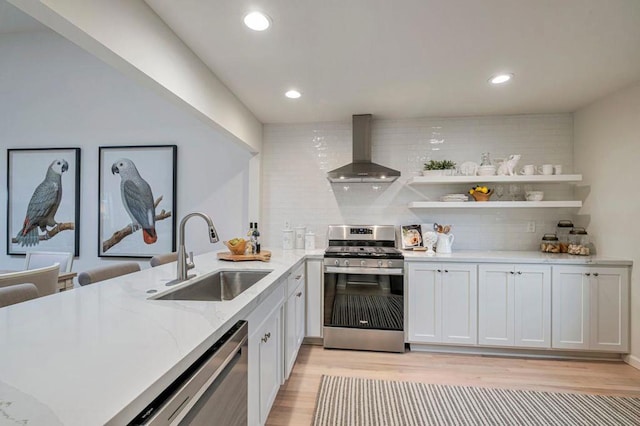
(360, 270)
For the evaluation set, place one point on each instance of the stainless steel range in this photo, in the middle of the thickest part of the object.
(363, 289)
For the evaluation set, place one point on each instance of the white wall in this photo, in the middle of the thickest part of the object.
(297, 157)
(54, 94)
(607, 153)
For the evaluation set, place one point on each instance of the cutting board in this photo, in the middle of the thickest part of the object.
(264, 256)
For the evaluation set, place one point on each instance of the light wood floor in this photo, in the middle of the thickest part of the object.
(297, 397)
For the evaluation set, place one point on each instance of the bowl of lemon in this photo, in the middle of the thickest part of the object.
(236, 245)
(481, 193)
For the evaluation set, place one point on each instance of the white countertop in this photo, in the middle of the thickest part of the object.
(514, 257)
(100, 353)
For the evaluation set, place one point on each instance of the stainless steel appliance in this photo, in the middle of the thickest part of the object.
(362, 169)
(213, 390)
(363, 289)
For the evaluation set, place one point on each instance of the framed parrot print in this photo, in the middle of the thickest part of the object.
(43, 200)
(137, 200)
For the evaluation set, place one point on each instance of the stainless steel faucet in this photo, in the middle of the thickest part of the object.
(183, 264)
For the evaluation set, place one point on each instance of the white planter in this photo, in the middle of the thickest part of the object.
(433, 173)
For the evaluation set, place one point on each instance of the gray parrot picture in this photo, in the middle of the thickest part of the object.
(43, 205)
(137, 198)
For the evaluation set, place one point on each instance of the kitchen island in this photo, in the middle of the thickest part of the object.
(100, 353)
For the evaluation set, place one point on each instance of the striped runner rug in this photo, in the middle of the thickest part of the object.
(348, 401)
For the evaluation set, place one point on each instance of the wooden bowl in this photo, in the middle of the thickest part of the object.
(479, 196)
(238, 248)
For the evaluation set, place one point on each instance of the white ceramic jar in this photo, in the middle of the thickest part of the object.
(288, 242)
(310, 241)
(299, 232)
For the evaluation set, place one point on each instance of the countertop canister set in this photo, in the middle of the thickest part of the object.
(501, 167)
(298, 238)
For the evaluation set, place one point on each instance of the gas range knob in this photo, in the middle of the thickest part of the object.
(363, 263)
(346, 263)
(379, 263)
(389, 264)
(337, 262)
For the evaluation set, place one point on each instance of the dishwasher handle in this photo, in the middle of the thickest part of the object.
(185, 391)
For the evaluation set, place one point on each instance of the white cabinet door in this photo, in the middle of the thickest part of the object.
(459, 303)
(514, 305)
(496, 304)
(269, 363)
(314, 289)
(294, 326)
(442, 301)
(609, 317)
(423, 303)
(532, 307)
(290, 346)
(570, 313)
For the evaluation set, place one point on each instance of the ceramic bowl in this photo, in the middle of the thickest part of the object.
(486, 170)
(534, 195)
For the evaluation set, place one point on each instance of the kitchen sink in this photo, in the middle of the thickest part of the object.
(221, 286)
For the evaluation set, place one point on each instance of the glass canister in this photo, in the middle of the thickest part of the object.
(562, 232)
(485, 159)
(578, 242)
(550, 244)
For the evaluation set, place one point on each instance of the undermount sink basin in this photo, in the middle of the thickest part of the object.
(223, 285)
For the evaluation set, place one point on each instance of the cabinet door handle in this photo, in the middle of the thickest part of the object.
(519, 272)
(511, 272)
(298, 277)
(446, 270)
(439, 270)
(264, 339)
(595, 274)
(298, 294)
(268, 335)
(588, 274)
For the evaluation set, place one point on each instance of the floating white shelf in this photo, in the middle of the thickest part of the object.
(491, 204)
(431, 180)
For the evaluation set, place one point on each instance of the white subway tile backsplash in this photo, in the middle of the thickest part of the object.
(296, 158)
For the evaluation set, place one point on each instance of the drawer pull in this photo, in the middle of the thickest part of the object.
(511, 272)
(299, 294)
(595, 274)
(446, 270)
(439, 270)
(588, 274)
(519, 272)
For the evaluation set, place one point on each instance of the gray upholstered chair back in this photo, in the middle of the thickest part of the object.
(161, 259)
(39, 259)
(17, 293)
(45, 279)
(107, 272)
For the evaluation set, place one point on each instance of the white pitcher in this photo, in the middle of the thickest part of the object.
(445, 241)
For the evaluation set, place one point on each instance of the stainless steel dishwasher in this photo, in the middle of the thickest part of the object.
(212, 391)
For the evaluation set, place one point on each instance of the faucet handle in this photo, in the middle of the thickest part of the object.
(190, 264)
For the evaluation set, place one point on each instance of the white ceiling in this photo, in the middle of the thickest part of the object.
(406, 58)
(413, 58)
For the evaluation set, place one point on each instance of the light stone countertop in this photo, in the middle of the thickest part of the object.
(473, 256)
(100, 353)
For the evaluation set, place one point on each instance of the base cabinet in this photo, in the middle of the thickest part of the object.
(514, 305)
(295, 316)
(265, 366)
(591, 308)
(442, 303)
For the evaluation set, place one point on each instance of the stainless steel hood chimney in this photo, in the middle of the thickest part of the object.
(362, 169)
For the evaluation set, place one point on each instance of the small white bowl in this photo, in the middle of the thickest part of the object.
(486, 170)
(534, 195)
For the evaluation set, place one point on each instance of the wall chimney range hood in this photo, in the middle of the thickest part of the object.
(362, 169)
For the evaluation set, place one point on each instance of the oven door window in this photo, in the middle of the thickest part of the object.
(363, 301)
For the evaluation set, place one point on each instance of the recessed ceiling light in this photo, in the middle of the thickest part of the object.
(293, 94)
(500, 78)
(257, 21)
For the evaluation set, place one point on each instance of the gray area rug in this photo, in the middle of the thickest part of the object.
(352, 401)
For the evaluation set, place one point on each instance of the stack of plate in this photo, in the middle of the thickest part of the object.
(454, 197)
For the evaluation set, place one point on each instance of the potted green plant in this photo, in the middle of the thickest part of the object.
(439, 168)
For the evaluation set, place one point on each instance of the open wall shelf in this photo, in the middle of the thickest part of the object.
(492, 204)
(432, 180)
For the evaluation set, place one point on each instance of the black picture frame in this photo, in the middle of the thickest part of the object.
(119, 232)
(33, 181)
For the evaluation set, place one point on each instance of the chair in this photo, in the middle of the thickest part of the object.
(17, 293)
(38, 259)
(161, 259)
(106, 272)
(45, 279)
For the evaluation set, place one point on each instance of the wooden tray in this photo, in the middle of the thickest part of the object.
(264, 256)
